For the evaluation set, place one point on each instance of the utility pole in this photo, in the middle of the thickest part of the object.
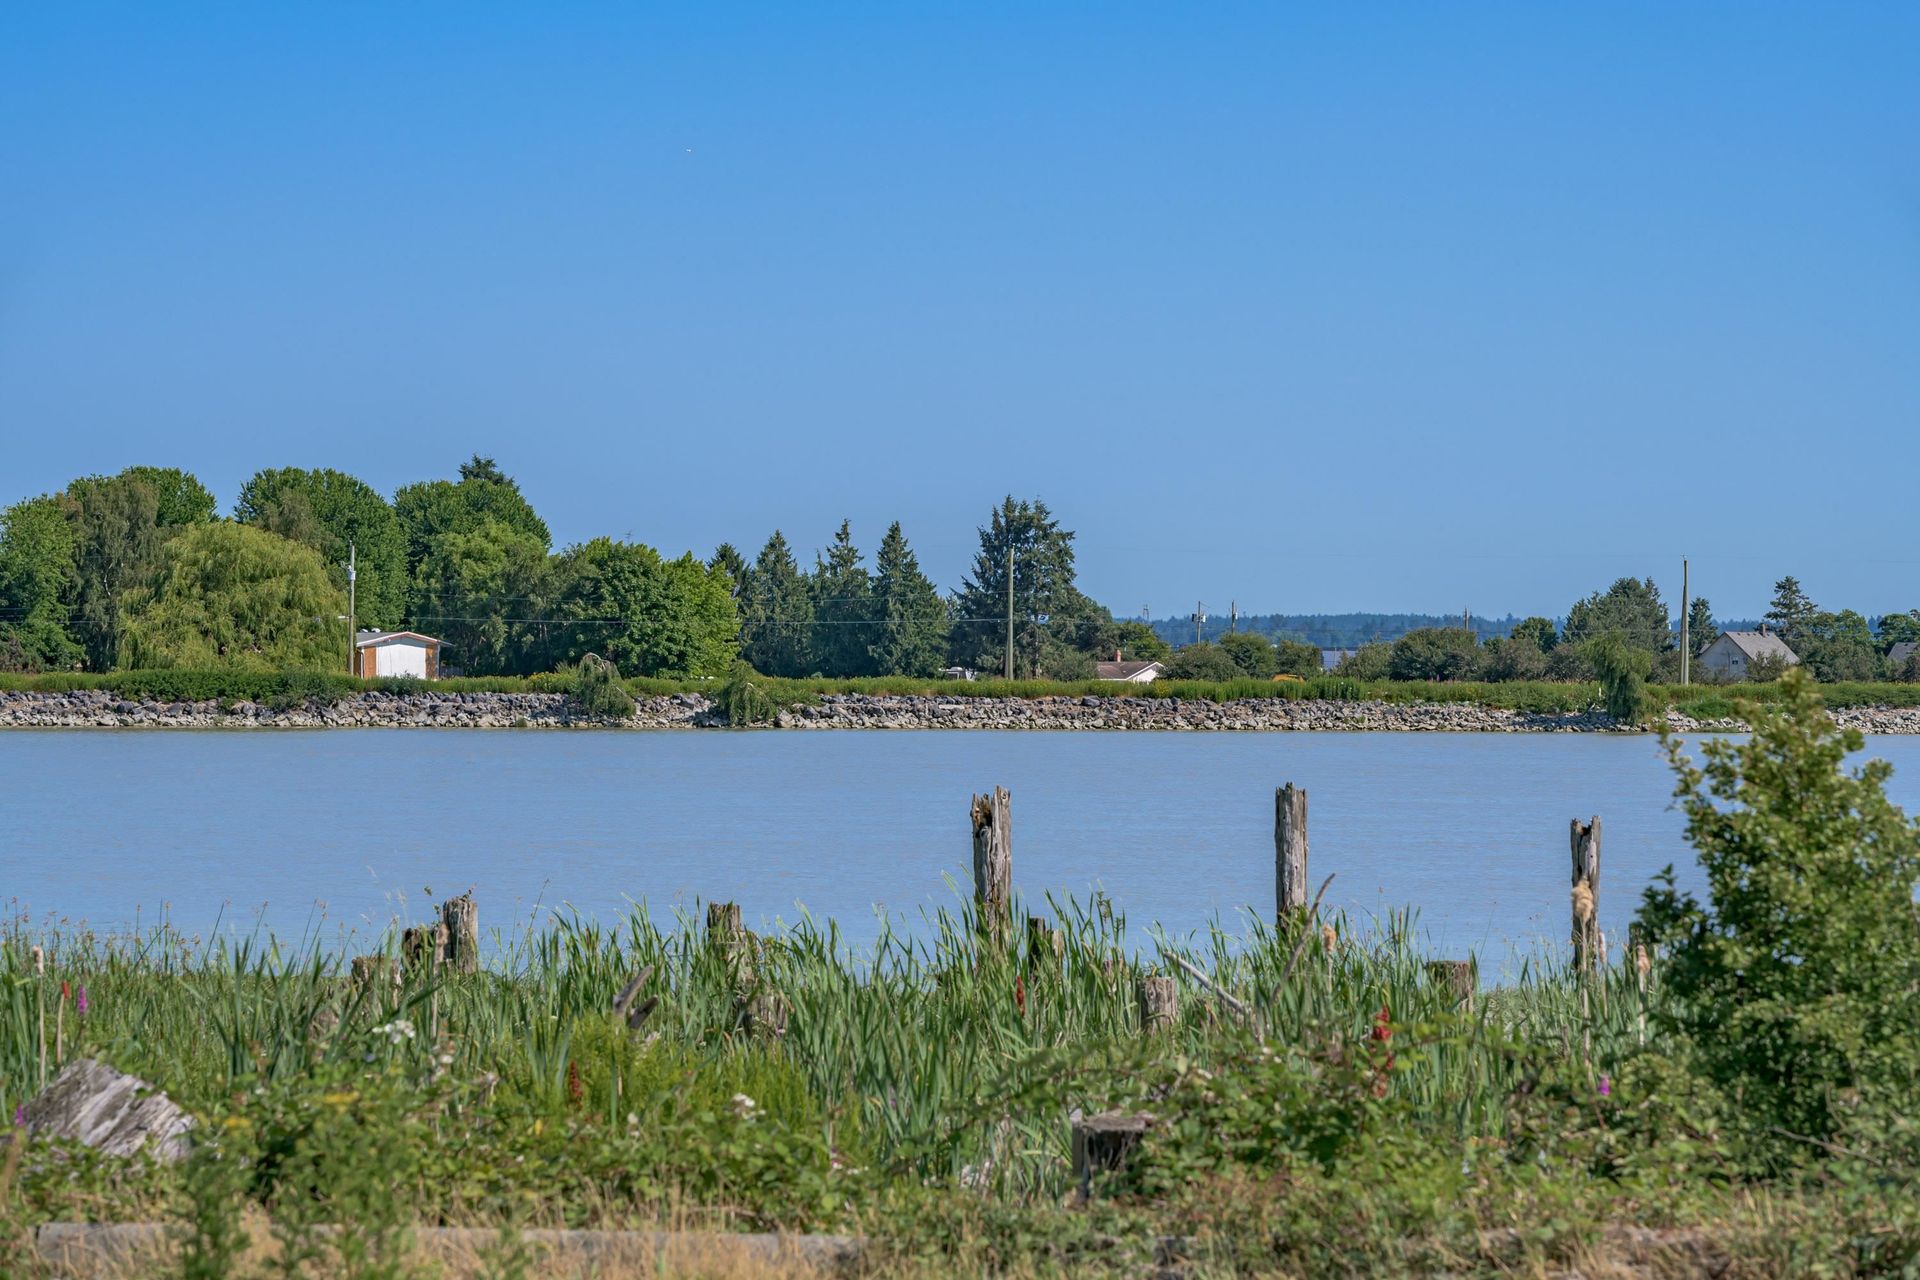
(1686, 610)
(352, 633)
(1199, 616)
(1233, 616)
(1009, 607)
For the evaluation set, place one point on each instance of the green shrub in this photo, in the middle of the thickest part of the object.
(598, 691)
(1796, 984)
(744, 701)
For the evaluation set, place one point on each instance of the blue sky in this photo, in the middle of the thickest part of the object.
(1312, 308)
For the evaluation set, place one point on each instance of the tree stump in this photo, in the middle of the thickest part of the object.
(1290, 851)
(367, 971)
(1456, 977)
(993, 857)
(1585, 838)
(1102, 1144)
(1159, 1000)
(118, 1114)
(765, 1014)
(424, 946)
(1046, 946)
(461, 946)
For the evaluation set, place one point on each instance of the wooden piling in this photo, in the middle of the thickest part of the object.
(1455, 977)
(1103, 1144)
(993, 856)
(1158, 996)
(1585, 838)
(369, 971)
(1046, 946)
(461, 919)
(1290, 851)
(424, 946)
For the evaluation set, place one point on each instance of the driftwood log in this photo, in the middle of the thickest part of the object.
(110, 1111)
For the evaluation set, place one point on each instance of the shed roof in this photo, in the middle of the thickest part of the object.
(369, 639)
(1761, 644)
(1123, 670)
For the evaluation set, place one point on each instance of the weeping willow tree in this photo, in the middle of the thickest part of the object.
(233, 596)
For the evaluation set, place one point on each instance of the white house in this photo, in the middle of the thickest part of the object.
(1128, 672)
(1730, 656)
(396, 653)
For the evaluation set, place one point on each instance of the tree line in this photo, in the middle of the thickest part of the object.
(1627, 628)
(138, 569)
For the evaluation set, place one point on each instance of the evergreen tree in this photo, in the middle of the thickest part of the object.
(1791, 610)
(911, 639)
(1701, 628)
(843, 616)
(776, 613)
(1536, 631)
(1057, 630)
(727, 558)
(1631, 607)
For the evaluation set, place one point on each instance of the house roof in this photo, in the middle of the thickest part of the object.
(369, 639)
(1761, 644)
(1123, 670)
(1899, 654)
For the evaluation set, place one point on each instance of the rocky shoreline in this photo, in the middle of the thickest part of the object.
(96, 708)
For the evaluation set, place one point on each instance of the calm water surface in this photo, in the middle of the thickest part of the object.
(239, 827)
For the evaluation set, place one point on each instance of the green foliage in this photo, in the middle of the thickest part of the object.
(329, 510)
(117, 533)
(1075, 629)
(1791, 609)
(647, 615)
(1204, 662)
(1536, 631)
(36, 578)
(1368, 662)
(1631, 607)
(1297, 657)
(911, 639)
(744, 699)
(1514, 658)
(597, 688)
(1796, 984)
(1701, 628)
(1436, 653)
(228, 595)
(776, 613)
(1138, 642)
(433, 508)
(843, 609)
(181, 499)
(475, 587)
(1252, 654)
(1622, 669)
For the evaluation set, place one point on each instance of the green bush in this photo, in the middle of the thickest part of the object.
(598, 691)
(744, 699)
(1796, 984)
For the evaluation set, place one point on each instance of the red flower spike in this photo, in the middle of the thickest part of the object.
(1020, 994)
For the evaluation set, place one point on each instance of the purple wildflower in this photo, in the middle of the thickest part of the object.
(20, 1113)
(1606, 1086)
(80, 1001)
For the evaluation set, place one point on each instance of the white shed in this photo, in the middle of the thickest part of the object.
(1729, 656)
(397, 653)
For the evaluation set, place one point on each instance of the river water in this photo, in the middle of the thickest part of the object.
(236, 829)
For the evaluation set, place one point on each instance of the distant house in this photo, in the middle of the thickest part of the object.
(1730, 656)
(1129, 672)
(396, 653)
(1898, 655)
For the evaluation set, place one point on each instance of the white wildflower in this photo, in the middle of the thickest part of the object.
(743, 1106)
(396, 1031)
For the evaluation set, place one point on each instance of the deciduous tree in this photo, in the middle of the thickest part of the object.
(330, 510)
(227, 595)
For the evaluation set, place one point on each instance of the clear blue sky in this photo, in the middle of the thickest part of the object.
(1315, 308)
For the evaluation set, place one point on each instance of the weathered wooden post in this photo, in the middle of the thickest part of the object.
(1046, 946)
(424, 946)
(1586, 894)
(993, 857)
(1103, 1143)
(724, 922)
(1290, 850)
(1159, 999)
(1455, 977)
(461, 918)
(371, 971)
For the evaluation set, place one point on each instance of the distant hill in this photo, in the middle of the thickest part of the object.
(1351, 630)
(1327, 630)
